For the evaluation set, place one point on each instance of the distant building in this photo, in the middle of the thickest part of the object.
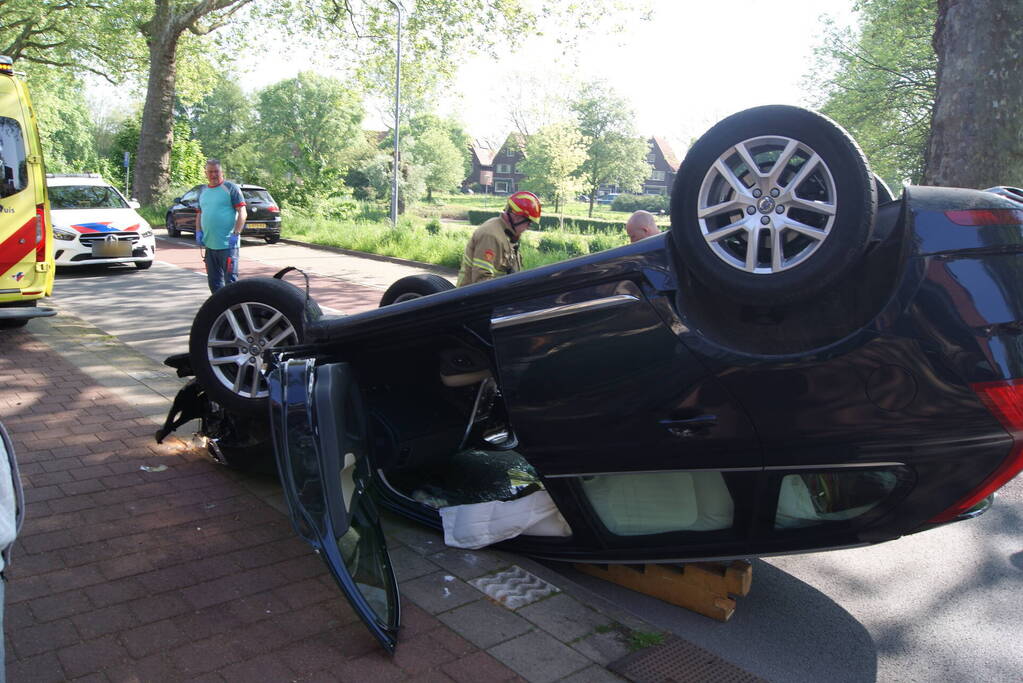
(663, 167)
(482, 173)
(498, 169)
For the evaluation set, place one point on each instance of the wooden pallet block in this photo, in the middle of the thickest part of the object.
(703, 587)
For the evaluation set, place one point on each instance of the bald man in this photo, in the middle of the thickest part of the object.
(640, 226)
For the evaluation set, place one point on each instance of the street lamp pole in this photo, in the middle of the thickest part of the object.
(397, 118)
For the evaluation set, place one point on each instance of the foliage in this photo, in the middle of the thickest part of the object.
(310, 129)
(186, 167)
(411, 184)
(224, 124)
(410, 240)
(432, 242)
(572, 245)
(443, 164)
(186, 158)
(62, 33)
(614, 153)
(553, 155)
(640, 640)
(580, 225)
(879, 83)
(65, 126)
(654, 203)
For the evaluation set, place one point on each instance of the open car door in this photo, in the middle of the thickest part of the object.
(320, 440)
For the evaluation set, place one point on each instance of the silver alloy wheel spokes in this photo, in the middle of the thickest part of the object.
(237, 340)
(767, 204)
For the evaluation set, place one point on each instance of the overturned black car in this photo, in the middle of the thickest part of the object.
(803, 362)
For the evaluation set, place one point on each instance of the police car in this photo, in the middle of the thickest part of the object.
(94, 224)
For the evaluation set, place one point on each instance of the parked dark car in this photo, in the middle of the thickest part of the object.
(791, 368)
(263, 220)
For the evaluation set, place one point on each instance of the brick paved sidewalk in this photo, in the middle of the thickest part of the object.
(141, 562)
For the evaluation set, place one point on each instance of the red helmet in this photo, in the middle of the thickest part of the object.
(525, 204)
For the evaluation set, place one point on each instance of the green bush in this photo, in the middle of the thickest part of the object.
(571, 245)
(654, 203)
(605, 242)
(587, 226)
(478, 216)
(548, 223)
(433, 227)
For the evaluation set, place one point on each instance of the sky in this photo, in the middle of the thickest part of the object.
(693, 63)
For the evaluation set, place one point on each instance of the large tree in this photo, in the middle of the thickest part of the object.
(61, 33)
(553, 155)
(614, 153)
(878, 81)
(977, 129)
(162, 23)
(443, 163)
(311, 125)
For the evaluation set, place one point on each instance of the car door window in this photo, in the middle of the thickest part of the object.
(256, 197)
(660, 502)
(12, 158)
(817, 498)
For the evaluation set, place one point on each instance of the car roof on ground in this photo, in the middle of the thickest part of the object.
(59, 180)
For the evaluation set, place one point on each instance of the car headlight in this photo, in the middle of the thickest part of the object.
(64, 235)
(147, 233)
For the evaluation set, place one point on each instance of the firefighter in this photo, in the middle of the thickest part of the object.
(493, 250)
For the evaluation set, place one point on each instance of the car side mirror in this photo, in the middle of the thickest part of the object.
(176, 200)
(134, 203)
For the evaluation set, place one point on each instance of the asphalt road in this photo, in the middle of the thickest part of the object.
(939, 606)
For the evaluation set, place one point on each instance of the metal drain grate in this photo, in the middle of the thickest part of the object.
(679, 660)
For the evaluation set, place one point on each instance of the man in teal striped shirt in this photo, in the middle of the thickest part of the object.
(219, 224)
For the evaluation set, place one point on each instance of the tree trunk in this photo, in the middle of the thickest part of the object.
(152, 166)
(977, 125)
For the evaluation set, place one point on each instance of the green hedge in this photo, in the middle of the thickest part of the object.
(654, 203)
(574, 224)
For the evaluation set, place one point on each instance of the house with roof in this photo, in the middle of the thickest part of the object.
(482, 153)
(498, 169)
(663, 167)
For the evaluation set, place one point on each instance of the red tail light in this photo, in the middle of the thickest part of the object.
(1005, 401)
(986, 217)
(40, 233)
(273, 208)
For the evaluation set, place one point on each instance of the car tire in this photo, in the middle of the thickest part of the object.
(414, 287)
(808, 219)
(269, 313)
(272, 239)
(171, 230)
(143, 265)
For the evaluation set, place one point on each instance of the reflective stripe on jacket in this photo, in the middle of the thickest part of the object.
(489, 253)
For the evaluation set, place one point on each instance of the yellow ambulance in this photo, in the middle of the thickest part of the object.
(26, 232)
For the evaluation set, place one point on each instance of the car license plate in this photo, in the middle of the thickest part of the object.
(256, 226)
(117, 249)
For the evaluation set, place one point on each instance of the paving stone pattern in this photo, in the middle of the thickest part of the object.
(190, 573)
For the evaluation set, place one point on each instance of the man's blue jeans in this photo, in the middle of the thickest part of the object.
(221, 267)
